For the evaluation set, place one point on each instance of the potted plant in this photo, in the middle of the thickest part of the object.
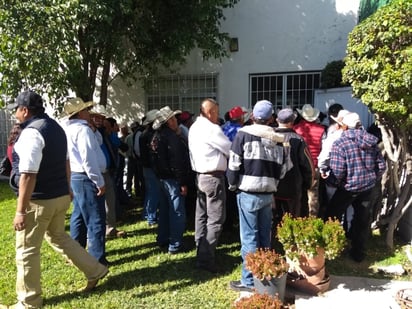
(307, 242)
(261, 301)
(269, 270)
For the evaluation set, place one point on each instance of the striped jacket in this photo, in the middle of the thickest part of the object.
(256, 159)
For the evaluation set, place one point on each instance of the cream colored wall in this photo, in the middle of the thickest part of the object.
(274, 36)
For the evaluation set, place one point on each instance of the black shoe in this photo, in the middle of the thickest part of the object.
(357, 256)
(239, 287)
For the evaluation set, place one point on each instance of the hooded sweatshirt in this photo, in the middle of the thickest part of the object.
(356, 161)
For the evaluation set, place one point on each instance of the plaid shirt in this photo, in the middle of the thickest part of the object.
(356, 161)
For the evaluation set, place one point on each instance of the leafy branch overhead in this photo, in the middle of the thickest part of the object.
(57, 45)
(379, 62)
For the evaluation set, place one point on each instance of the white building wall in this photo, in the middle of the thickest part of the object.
(343, 96)
(274, 36)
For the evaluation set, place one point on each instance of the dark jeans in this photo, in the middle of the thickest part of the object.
(361, 218)
(210, 216)
(88, 219)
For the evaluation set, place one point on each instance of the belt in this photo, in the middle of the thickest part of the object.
(214, 173)
(79, 173)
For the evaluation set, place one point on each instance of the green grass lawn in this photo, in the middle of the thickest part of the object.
(142, 276)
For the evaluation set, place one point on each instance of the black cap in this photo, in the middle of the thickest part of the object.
(29, 99)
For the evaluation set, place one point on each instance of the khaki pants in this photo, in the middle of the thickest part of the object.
(46, 218)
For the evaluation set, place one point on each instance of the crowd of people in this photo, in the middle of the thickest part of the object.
(243, 172)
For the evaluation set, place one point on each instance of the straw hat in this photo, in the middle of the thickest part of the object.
(75, 105)
(309, 113)
(164, 114)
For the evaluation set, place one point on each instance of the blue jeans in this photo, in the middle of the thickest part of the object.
(88, 219)
(152, 196)
(255, 221)
(172, 216)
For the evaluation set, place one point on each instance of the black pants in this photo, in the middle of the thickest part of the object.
(360, 224)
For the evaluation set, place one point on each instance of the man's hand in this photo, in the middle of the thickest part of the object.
(19, 222)
(183, 190)
(101, 191)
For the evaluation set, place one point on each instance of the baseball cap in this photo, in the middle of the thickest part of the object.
(263, 110)
(28, 98)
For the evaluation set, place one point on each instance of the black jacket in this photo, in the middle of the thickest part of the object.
(299, 178)
(171, 156)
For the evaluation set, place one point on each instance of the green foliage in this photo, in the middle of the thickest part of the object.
(266, 264)
(55, 46)
(307, 234)
(331, 76)
(259, 301)
(379, 64)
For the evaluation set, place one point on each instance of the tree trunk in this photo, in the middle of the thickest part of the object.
(397, 181)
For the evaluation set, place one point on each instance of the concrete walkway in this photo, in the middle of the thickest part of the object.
(354, 293)
(350, 293)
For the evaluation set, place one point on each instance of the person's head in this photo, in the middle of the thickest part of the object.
(110, 125)
(210, 110)
(14, 133)
(27, 104)
(166, 117)
(124, 129)
(333, 111)
(351, 121)
(98, 115)
(286, 118)
(339, 116)
(236, 115)
(309, 113)
(185, 118)
(150, 117)
(76, 108)
(263, 112)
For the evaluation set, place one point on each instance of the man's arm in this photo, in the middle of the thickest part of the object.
(26, 187)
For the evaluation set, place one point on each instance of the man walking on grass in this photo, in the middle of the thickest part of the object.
(40, 177)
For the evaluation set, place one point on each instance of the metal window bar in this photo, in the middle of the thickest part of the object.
(184, 92)
(284, 89)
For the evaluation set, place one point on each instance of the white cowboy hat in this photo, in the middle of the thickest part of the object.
(150, 116)
(164, 114)
(75, 105)
(309, 113)
(342, 113)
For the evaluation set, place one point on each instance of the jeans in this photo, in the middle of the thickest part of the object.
(88, 220)
(255, 222)
(172, 216)
(153, 195)
(210, 216)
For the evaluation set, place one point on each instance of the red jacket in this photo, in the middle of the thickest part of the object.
(312, 133)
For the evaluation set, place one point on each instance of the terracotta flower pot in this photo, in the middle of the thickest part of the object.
(313, 269)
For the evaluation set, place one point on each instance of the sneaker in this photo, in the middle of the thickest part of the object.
(239, 287)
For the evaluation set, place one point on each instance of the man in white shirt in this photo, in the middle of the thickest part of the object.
(40, 178)
(209, 152)
(87, 161)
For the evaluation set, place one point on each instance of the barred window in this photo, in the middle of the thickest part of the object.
(284, 89)
(184, 92)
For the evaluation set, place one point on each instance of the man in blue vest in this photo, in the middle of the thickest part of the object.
(40, 177)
